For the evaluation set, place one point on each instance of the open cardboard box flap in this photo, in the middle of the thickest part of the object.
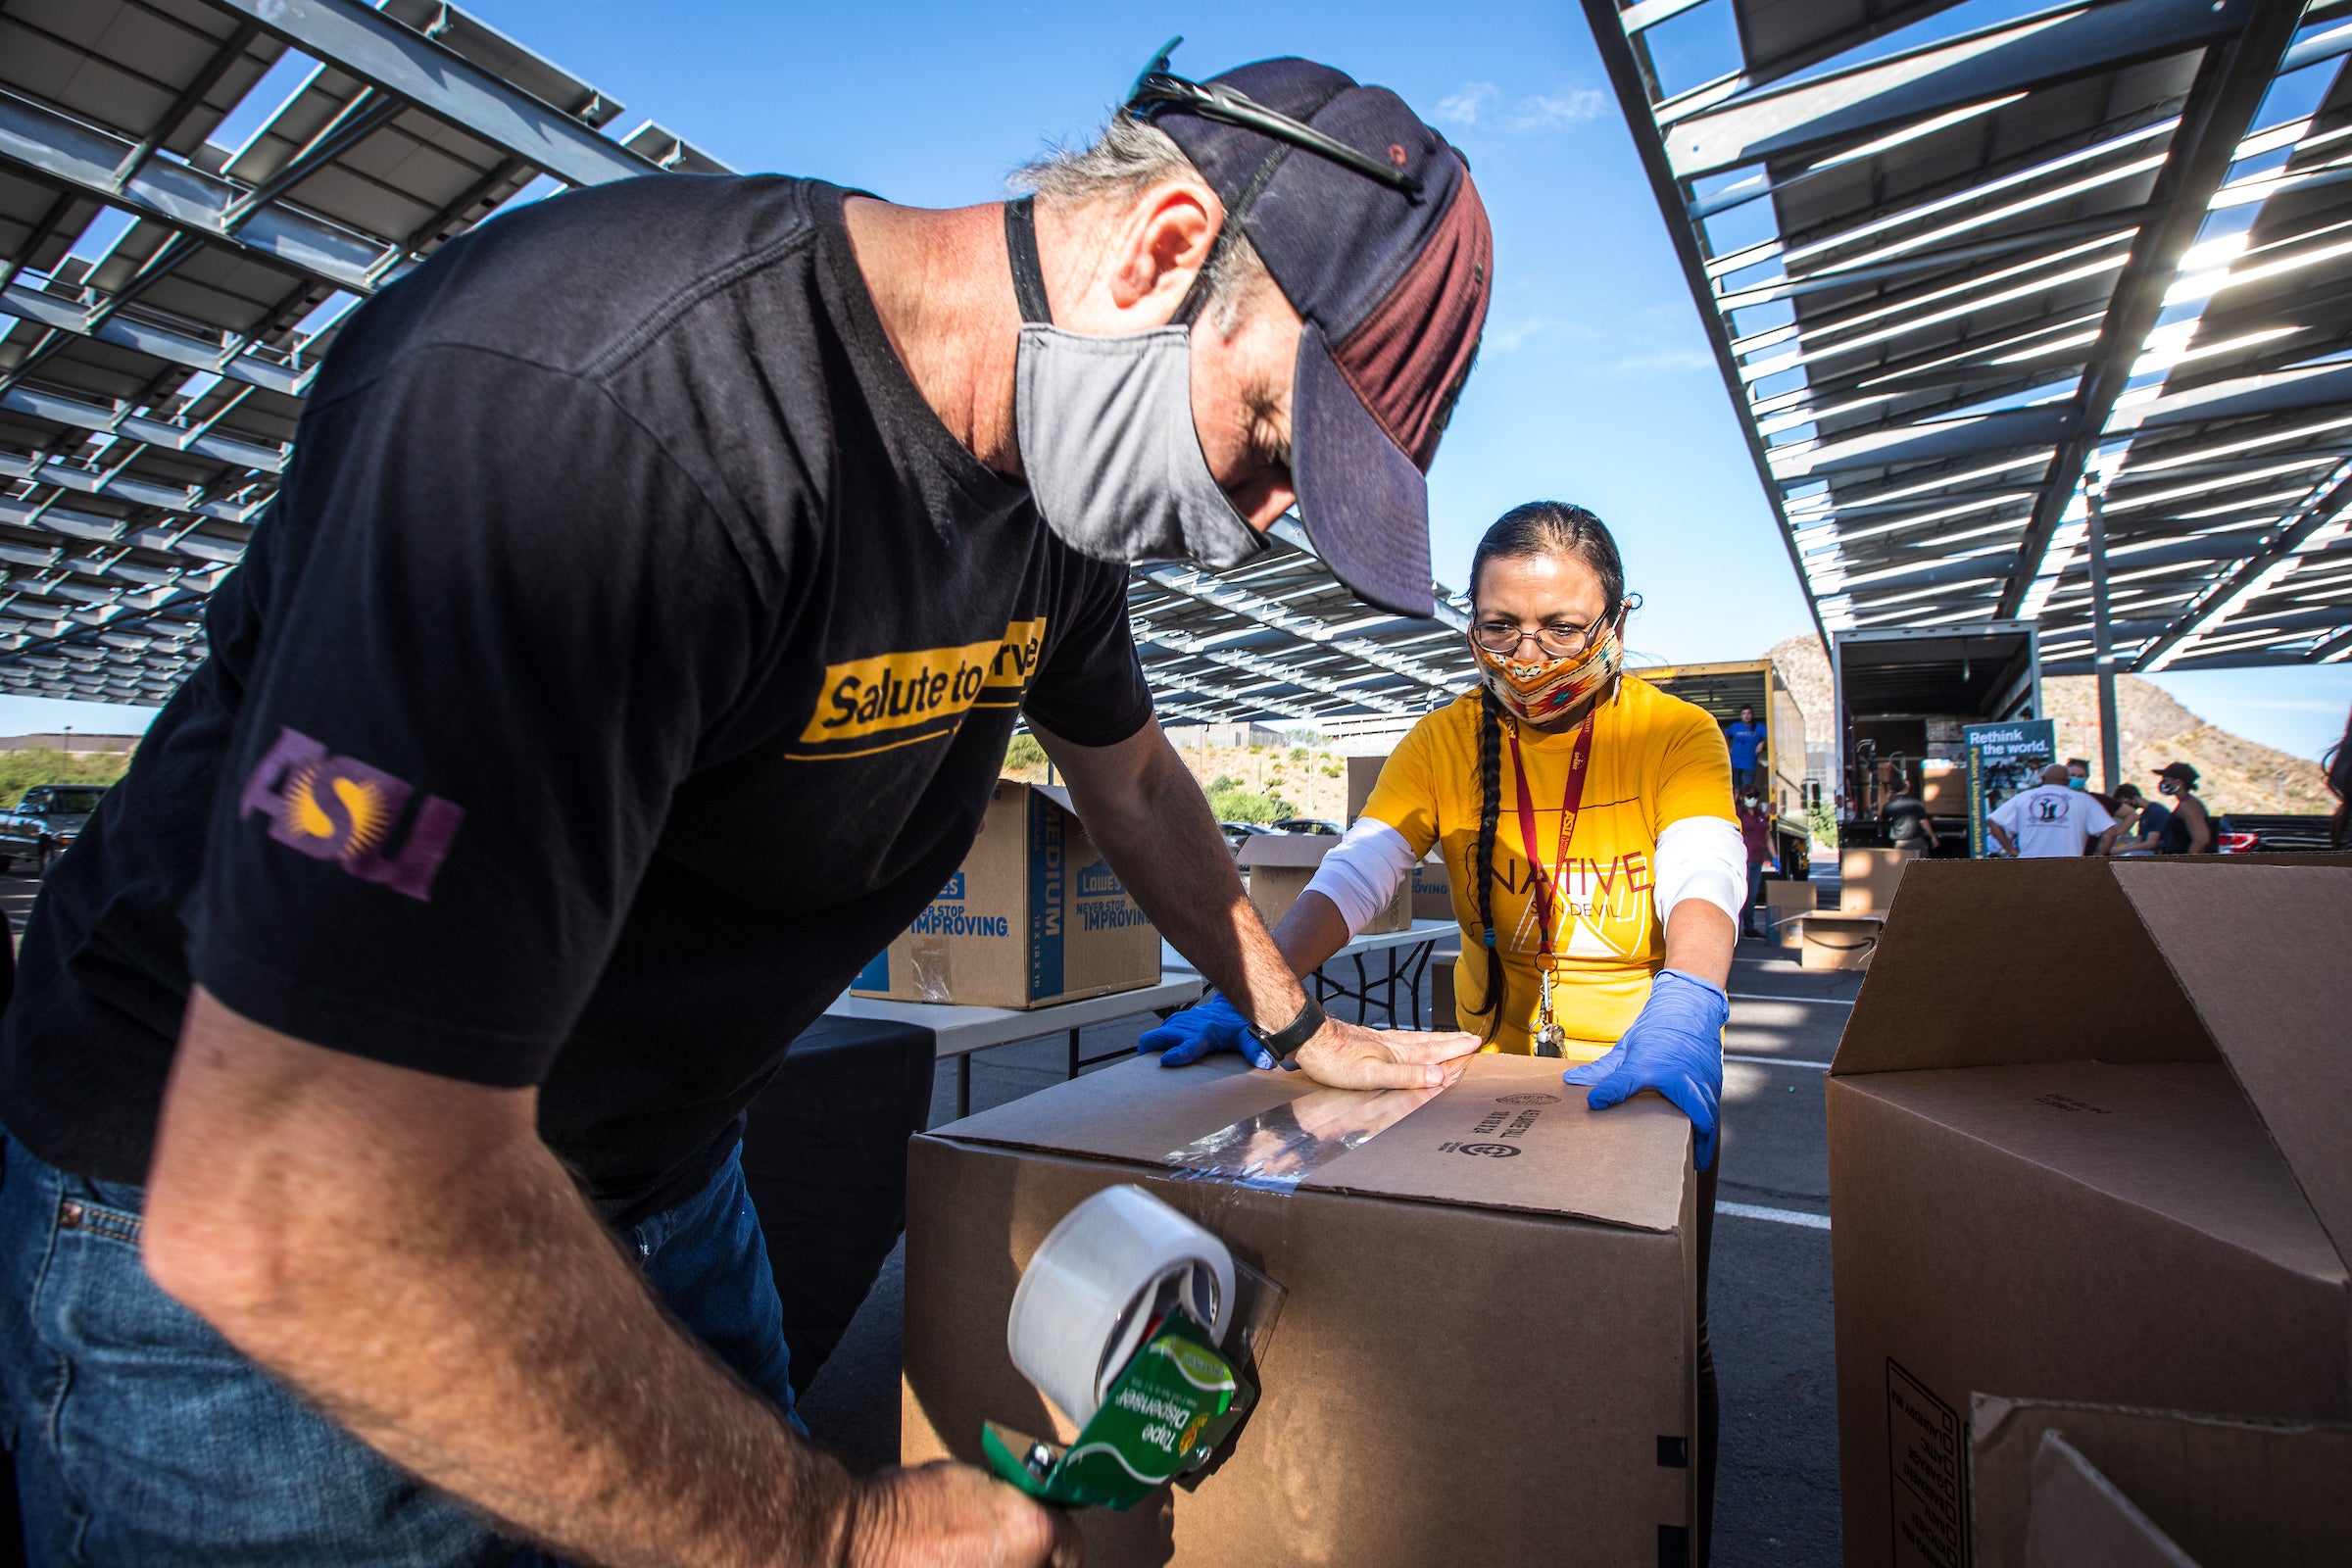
(1622, 1166)
(1291, 851)
(2199, 961)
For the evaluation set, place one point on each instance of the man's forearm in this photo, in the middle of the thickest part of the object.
(1165, 846)
(1700, 939)
(480, 1327)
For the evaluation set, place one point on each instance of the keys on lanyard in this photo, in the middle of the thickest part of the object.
(1550, 1039)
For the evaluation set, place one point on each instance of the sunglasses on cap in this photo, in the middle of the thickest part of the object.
(1158, 88)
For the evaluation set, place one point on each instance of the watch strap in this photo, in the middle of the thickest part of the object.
(1283, 1043)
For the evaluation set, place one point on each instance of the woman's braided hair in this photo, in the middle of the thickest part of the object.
(1537, 528)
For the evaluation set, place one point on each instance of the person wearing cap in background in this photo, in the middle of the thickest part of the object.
(628, 658)
(2051, 821)
(2187, 826)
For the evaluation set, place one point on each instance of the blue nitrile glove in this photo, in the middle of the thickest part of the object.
(1676, 1046)
(1208, 1025)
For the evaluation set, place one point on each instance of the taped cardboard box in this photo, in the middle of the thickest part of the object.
(1867, 880)
(1433, 889)
(1034, 915)
(1786, 901)
(2086, 1132)
(1362, 774)
(1838, 941)
(1279, 867)
(1396, 1425)
(2221, 1492)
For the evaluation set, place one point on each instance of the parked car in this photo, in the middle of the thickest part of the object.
(44, 822)
(2253, 833)
(1236, 832)
(1306, 824)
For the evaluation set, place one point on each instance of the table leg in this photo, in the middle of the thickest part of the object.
(963, 1086)
(1074, 1052)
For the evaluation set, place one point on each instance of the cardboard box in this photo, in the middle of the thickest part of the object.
(1838, 941)
(1362, 774)
(1034, 915)
(1279, 867)
(1399, 1422)
(1786, 901)
(1867, 880)
(1943, 788)
(1433, 889)
(2079, 1516)
(2222, 1493)
(2086, 1133)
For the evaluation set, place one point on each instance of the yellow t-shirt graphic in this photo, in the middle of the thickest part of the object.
(1656, 759)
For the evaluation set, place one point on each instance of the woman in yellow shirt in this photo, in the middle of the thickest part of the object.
(1587, 825)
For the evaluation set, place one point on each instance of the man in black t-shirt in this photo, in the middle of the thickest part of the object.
(656, 580)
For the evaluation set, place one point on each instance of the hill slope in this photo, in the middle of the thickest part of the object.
(2237, 774)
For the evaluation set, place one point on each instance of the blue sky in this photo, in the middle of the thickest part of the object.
(1595, 384)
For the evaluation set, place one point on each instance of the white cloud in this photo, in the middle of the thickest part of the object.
(1557, 110)
(1468, 104)
(1482, 103)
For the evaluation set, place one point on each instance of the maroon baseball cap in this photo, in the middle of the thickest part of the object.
(1369, 224)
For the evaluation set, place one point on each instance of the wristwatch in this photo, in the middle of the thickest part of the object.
(1285, 1042)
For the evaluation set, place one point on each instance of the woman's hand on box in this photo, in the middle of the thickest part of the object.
(1210, 1025)
(1675, 1047)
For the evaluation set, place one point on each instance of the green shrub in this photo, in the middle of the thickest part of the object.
(21, 770)
(1024, 753)
(1822, 819)
(1297, 753)
(1235, 805)
(1223, 782)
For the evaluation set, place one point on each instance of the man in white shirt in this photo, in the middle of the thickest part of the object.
(2050, 819)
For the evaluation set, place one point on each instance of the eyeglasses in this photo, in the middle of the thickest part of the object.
(1158, 86)
(1557, 639)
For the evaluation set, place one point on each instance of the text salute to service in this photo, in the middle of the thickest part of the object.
(655, 586)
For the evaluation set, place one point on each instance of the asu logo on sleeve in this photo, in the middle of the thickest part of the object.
(872, 705)
(340, 809)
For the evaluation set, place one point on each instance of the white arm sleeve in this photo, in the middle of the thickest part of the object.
(1701, 857)
(1362, 871)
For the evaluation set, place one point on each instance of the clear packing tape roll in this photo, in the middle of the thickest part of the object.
(1115, 1266)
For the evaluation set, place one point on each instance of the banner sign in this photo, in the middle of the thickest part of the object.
(2003, 758)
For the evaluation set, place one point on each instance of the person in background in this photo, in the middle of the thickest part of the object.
(1755, 834)
(1592, 847)
(2078, 777)
(1744, 738)
(1908, 828)
(2051, 821)
(2189, 828)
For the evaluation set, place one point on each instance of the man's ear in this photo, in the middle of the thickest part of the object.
(1168, 241)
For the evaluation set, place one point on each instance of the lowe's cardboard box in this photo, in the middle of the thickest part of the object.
(1279, 867)
(2055, 1485)
(1035, 915)
(1483, 1353)
(2089, 1130)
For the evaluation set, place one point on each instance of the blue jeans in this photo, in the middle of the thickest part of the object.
(142, 1438)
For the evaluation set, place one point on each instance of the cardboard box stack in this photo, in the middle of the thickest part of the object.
(1279, 866)
(1788, 899)
(2088, 1131)
(1392, 1429)
(1034, 915)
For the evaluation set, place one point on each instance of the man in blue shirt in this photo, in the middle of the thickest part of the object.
(1744, 736)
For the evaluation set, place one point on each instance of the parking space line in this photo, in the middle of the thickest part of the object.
(1778, 1216)
(1776, 1061)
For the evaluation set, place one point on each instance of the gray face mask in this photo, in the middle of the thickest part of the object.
(1106, 427)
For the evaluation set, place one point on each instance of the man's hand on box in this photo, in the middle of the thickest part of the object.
(953, 1516)
(1208, 1025)
(1675, 1047)
(1347, 1055)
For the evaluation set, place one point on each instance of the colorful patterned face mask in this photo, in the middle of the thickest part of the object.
(1543, 691)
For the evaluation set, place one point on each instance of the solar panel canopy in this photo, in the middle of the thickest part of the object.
(2029, 313)
(194, 193)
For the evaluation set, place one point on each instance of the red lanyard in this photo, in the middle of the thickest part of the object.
(1571, 798)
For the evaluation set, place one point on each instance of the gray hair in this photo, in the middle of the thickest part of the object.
(1125, 160)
